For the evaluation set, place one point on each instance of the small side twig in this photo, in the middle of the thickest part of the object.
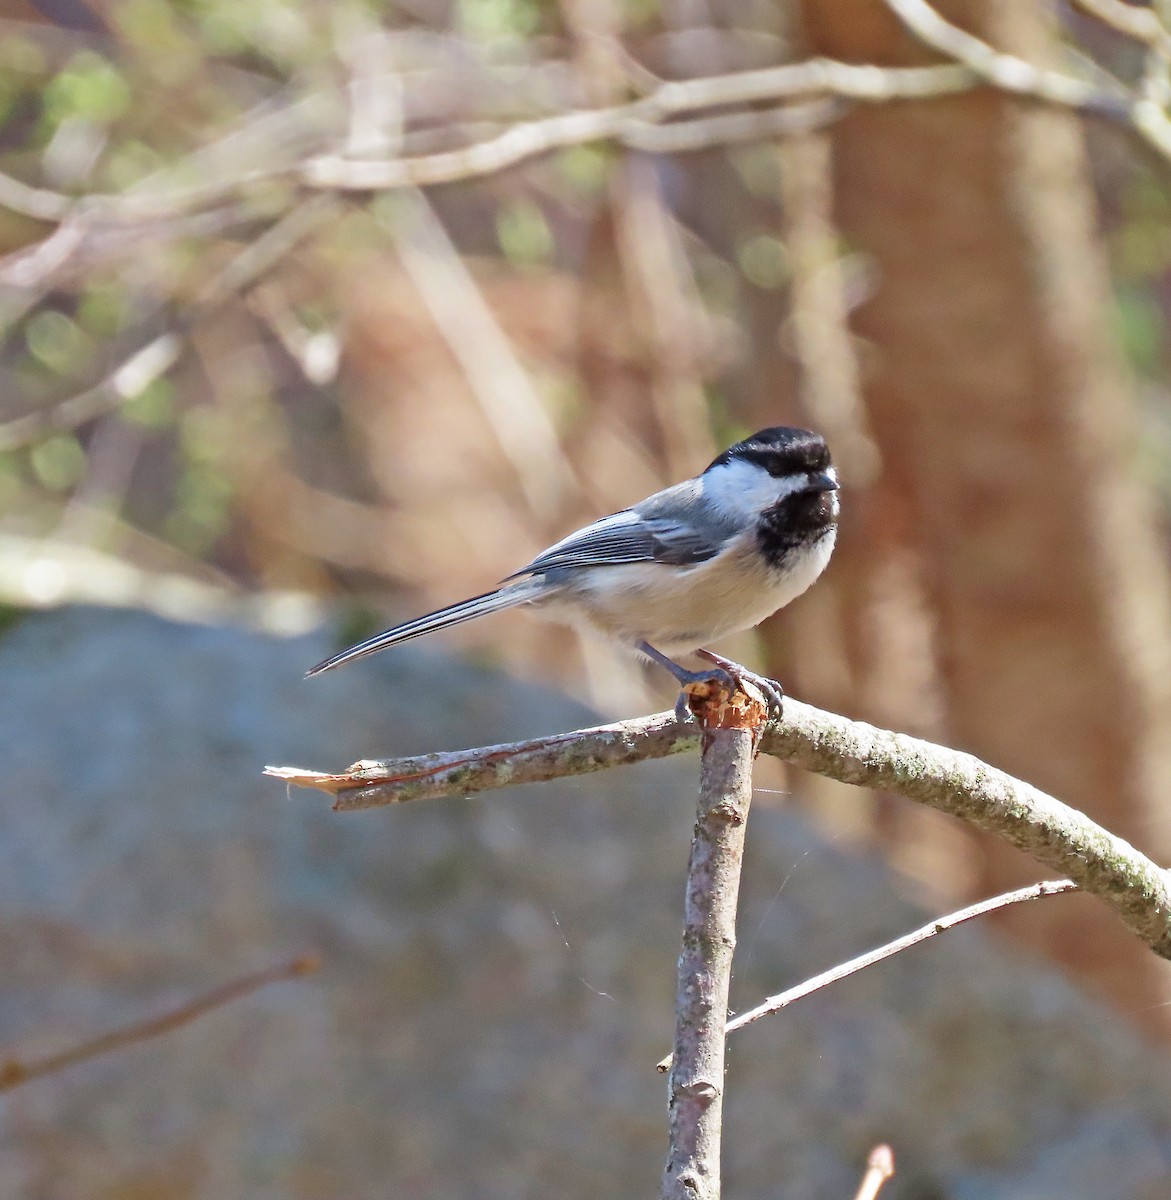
(1035, 891)
(880, 1167)
(506, 394)
(1007, 72)
(38, 203)
(373, 783)
(1145, 112)
(159, 352)
(13, 1072)
(629, 123)
(1142, 24)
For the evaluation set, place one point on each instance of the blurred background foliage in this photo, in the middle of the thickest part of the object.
(165, 465)
(237, 379)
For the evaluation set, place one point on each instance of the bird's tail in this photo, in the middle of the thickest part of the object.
(455, 614)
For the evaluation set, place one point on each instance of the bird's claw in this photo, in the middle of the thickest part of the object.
(770, 690)
(726, 674)
(774, 696)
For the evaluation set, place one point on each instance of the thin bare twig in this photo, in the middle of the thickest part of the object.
(13, 1072)
(1142, 24)
(880, 1166)
(373, 783)
(462, 317)
(38, 203)
(773, 1004)
(672, 117)
(729, 129)
(1034, 891)
(1156, 81)
(97, 231)
(1055, 835)
(665, 301)
(133, 375)
(1146, 113)
(830, 382)
(1005, 71)
(157, 354)
(629, 123)
(317, 353)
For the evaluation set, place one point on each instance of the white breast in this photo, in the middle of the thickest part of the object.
(678, 609)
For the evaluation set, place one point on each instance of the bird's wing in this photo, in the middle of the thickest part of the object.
(669, 528)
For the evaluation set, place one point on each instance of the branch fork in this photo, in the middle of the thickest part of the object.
(732, 728)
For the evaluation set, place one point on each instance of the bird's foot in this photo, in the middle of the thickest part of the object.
(724, 674)
(773, 693)
(691, 681)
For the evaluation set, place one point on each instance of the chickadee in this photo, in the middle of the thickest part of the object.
(708, 557)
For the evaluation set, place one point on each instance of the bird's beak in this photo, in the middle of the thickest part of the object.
(823, 481)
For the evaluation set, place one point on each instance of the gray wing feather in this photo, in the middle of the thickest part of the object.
(673, 526)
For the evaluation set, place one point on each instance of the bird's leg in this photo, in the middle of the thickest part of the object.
(771, 690)
(726, 673)
(683, 676)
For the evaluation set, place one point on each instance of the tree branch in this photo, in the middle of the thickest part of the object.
(374, 783)
(1145, 113)
(1142, 24)
(1055, 835)
(13, 1072)
(1050, 832)
(782, 1000)
(640, 122)
(671, 117)
(1007, 72)
(38, 203)
(695, 1088)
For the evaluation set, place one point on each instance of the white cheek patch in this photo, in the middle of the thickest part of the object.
(745, 489)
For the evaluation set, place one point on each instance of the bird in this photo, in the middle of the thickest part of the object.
(693, 563)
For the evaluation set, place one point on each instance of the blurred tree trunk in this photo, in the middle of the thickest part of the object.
(1003, 415)
(863, 641)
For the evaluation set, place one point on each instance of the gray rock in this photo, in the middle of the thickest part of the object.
(498, 970)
